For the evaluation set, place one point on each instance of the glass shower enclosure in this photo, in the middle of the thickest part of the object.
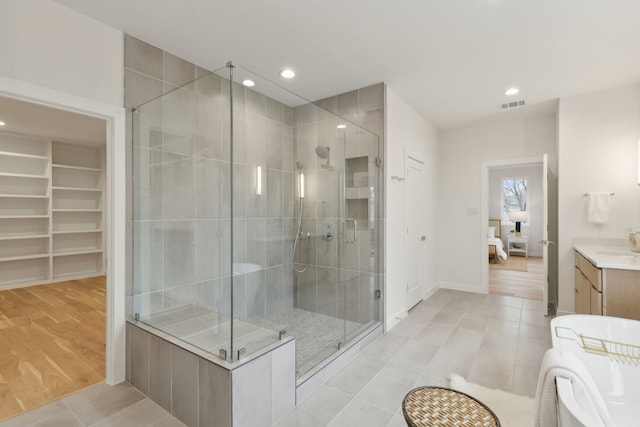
(255, 217)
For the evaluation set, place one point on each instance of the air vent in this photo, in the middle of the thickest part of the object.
(513, 104)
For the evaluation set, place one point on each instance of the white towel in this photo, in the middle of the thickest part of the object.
(598, 208)
(556, 363)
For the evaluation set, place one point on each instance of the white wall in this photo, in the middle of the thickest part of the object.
(533, 227)
(47, 44)
(461, 152)
(598, 151)
(407, 133)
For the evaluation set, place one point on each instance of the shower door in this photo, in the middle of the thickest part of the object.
(358, 235)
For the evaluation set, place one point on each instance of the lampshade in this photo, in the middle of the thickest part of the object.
(517, 216)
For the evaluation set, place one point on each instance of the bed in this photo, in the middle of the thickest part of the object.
(496, 247)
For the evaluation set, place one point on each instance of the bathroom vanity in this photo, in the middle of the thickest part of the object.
(607, 281)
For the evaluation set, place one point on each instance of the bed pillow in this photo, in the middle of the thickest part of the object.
(491, 233)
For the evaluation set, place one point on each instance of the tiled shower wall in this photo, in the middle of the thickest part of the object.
(182, 229)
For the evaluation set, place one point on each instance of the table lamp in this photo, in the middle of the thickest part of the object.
(518, 217)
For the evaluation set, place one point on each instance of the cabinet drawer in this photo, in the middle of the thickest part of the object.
(592, 273)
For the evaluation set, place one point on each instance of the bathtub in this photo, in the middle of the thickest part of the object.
(616, 377)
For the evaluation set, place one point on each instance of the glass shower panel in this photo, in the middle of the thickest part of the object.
(359, 243)
(181, 214)
(262, 193)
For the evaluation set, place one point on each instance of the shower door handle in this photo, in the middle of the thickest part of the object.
(345, 229)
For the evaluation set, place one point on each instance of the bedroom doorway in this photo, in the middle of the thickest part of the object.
(520, 270)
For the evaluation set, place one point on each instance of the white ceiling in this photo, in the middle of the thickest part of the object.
(450, 59)
(28, 118)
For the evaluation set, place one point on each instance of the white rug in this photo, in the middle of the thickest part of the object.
(512, 410)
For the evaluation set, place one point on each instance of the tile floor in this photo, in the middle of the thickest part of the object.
(496, 341)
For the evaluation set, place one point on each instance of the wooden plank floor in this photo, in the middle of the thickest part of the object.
(523, 284)
(52, 342)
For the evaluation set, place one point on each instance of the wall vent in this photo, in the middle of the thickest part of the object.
(513, 104)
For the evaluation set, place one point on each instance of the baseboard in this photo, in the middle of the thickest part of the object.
(395, 319)
(460, 287)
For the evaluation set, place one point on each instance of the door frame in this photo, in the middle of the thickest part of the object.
(484, 209)
(114, 117)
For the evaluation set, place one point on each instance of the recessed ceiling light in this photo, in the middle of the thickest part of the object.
(248, 83)
(2, 123)
(511, 91)
(288, 73)
(341, 126)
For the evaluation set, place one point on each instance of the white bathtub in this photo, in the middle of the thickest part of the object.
(617, 380)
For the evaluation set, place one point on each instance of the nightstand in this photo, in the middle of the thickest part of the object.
(518, 245)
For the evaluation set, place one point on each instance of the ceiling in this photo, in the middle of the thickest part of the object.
(32, 119)
(451, 60)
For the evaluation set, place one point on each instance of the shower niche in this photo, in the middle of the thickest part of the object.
(217, 286)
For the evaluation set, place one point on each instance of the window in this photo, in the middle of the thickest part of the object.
(514, 196)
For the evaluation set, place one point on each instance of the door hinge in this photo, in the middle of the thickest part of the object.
(379, 162)
(378, 294)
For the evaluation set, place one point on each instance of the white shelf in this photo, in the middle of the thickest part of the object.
(76, 189)
(25, 237)
(22, 216)
(85, 252)
(77, 232)
(23, 257)
(23, 155)
(80, 168)
(23, 175)
(23, 196)
(51, 211)
(77, 210)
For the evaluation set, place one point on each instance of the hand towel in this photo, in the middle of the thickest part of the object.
(556, 363)
(598, 208)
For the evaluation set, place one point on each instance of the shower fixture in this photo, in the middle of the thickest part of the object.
(299, 232)
(323, 152)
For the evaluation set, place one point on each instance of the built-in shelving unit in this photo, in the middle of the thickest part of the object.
(51, 210)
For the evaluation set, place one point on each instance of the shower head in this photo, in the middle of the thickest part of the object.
(299, 165)
(323, 152)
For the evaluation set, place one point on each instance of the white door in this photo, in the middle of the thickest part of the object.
(549, 237)
(415, 238)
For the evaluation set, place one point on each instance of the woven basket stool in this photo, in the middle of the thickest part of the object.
(443, 407)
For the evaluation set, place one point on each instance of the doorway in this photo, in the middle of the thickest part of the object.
(113, 118)
(548, 221)
(52, 253)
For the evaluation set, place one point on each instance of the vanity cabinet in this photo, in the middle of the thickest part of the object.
(606, 291)
(588, 287)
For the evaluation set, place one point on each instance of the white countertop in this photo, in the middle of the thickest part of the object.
(608, 256)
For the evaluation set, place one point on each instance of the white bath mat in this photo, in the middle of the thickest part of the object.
(512, 410)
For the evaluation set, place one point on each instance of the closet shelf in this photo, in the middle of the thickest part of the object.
(23, 257)
(23, 175)
(97, 190)
(81, 168)
(97, 230)
(24, 196)
(22, 216)
(78, 210)
(21, 155)
(29, 236)
(83, 252)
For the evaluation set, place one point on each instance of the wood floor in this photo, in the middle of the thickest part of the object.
(52, 342)
(523, 284)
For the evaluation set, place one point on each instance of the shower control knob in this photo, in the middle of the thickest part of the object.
(327, 232)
